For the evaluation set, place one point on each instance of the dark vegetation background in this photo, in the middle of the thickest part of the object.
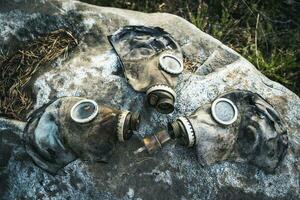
(267, 33)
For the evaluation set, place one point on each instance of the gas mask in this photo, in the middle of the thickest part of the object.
(151, 61)
(73, 127)
(238, 126)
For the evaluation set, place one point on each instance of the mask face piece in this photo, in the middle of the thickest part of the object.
(238, 126)
(71, 128)
(151, 61)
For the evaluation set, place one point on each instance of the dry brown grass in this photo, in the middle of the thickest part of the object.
(18, 68)
(190, 65)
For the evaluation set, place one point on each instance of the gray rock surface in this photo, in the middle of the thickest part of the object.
(92, 70)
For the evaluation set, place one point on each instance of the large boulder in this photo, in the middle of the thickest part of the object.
(92, 70)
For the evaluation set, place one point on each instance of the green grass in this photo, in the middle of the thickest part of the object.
(267, 33)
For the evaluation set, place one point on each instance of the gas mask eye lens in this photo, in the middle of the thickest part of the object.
(224, 111)
(84, 111)
(170, 64)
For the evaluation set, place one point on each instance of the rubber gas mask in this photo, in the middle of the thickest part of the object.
(238, 126)
(71, 128)
(151, 61)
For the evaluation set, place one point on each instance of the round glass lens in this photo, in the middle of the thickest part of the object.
(171, 64)
(84, 111)
(224, 111)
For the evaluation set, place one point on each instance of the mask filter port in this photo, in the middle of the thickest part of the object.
(127, 123)
(182, 130)
(161, 97)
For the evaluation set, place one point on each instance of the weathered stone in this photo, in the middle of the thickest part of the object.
(92, 70)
